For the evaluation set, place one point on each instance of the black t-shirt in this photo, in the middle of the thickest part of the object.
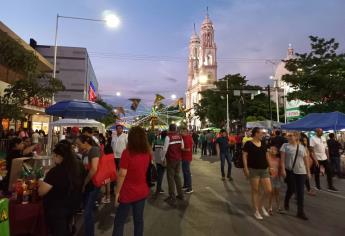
(256, 155)
(223, 144)
(278, 141)
(57, 197)
(333, 147)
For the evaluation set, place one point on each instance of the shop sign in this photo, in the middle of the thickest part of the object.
(39, 102)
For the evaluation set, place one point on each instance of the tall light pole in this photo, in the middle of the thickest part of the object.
(227, 107)
(110, 20)
(276, 93)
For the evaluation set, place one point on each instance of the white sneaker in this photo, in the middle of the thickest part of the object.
(264, 211)
(258, 216)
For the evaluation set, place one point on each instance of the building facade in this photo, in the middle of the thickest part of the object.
(34, 110)
(74, 69)
(202, 68)
(292, 110)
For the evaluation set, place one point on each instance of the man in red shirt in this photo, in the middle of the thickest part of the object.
(172, 151)
(187, 157)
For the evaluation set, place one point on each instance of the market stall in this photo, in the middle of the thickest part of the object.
(72, 123)
(327, 121)
(265, 124)
(333, 121)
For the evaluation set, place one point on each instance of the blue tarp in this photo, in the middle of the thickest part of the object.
(77, 109)
(326, 121)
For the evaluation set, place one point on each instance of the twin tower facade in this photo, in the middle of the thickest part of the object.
(202, 68)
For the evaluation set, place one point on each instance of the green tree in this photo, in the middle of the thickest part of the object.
(318, 77)
(111, 117)
(29, 81)
(213, 103)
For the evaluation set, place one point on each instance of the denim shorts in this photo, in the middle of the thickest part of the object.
(258, 173)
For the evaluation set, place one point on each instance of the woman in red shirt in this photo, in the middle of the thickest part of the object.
(132, 188)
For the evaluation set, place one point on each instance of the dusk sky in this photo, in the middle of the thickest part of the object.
(148, 53)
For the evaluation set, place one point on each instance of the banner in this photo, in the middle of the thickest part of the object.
(158, 99)
(135, 103)
(120, 110)
(92, 92)
(179, 103)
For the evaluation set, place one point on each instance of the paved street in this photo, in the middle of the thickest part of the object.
(223, 208)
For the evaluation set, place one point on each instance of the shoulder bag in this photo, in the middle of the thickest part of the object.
(290, 173)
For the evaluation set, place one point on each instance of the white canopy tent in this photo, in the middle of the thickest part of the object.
(72, 123)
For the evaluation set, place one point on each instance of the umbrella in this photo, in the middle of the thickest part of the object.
(77, 109)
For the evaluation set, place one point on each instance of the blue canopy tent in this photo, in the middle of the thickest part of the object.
(77, 109)
(326, 121)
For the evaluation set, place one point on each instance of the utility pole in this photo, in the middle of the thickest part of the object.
(269, 101)
(227, 107)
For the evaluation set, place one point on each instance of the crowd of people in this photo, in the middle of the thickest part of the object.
(267, 161)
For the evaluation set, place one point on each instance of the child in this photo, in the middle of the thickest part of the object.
(108, 150)
(276, 179)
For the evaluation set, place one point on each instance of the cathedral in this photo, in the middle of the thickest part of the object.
(202, 68)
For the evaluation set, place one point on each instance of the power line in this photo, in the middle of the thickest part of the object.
(153, 58)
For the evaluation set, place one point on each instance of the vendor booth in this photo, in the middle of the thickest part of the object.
(327, 121)
(80, 123)
(265, 124)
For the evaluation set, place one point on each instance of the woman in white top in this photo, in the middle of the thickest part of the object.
(295, 169)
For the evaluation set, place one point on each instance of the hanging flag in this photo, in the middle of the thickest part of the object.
(120, 110)
(158, 99)
(92, 92)
(179, 103)
(135, 103)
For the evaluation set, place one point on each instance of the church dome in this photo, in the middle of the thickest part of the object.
(195, 38)
(207, 21)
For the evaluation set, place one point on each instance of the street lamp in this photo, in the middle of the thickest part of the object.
(227, 106)
(277, 96)
(118, 94)
(111, 20)
(173, 96)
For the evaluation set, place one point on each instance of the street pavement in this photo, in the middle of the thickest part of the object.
(224, 208)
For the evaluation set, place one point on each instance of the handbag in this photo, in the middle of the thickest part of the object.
(290, 172)
(151, 175)
(106, 171)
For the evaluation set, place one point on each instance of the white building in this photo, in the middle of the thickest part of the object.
(291, 107)
(202, 68)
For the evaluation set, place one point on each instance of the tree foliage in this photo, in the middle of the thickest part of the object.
(32, 83)
(213, 103)
(111, 117)
(318, 77)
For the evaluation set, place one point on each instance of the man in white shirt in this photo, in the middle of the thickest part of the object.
(35, 137)
(320, 153)
(119, 144)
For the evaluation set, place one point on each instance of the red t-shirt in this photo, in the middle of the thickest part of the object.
(134, 187)
(188, 143)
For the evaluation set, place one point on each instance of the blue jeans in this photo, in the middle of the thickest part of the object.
(187, 176)
(160, 175)
(225, 156)
(210, 148)
(89, 219)
(138, 217)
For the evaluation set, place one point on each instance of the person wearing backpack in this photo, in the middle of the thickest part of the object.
(295, 169)
(61, 190)
(160, 160)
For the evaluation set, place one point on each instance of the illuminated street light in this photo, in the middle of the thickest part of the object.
(118, 94)
(173, 96)
(111, 20)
